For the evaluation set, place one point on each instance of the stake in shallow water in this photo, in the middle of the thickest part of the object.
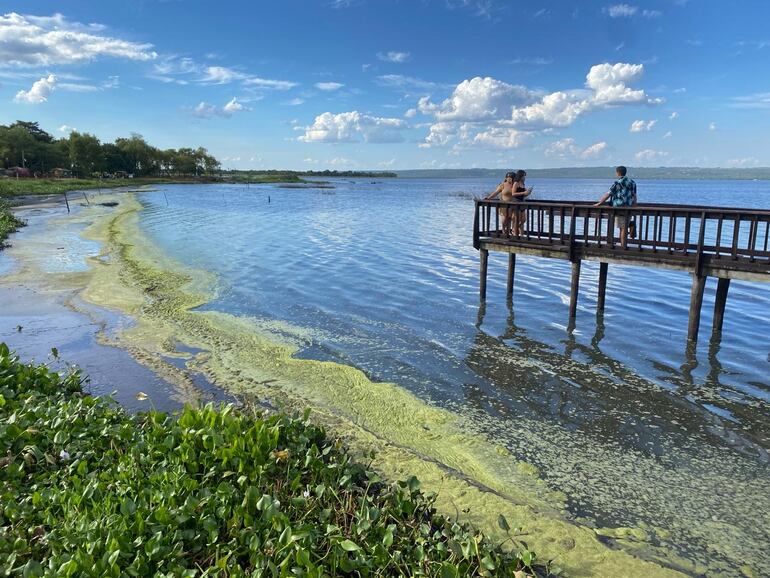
(729, 244)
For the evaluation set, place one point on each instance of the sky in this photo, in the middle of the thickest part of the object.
(397, 84)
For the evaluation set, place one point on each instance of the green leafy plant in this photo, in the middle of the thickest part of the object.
(8, 222)
(88, 490)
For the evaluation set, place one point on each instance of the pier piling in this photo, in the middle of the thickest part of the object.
(602, 287)
(574, 289)
(723, 285)
(511, 273)
(696, 300)
(484, 258)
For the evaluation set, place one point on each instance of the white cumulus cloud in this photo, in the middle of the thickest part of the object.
(478, 99)
(567, 149)
(38, 92)
(354, 127)
(621, 10)
(501, 138)
(207, 110)
(490, 107)
(650, 155)
(329, 86)
(258, 82)
(593, 151)
(393, 56)
(29, 41)
(642, 125)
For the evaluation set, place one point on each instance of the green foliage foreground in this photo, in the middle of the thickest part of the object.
(8, 222)
(87, 490)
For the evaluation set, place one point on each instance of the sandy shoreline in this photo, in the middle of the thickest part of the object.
(151, 300)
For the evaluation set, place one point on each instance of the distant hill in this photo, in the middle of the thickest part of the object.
(760, 173)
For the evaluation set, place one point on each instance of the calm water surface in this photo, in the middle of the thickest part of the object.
(637, 428)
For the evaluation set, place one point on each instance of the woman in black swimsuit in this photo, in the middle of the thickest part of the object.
(520, 194)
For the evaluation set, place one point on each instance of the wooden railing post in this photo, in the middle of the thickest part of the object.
(476, 224)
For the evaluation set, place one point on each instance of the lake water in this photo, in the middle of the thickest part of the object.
(637, 428)
(620, 414)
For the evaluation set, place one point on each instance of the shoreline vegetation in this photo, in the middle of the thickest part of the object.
(9, 223)
(10, 187)
(89, 490)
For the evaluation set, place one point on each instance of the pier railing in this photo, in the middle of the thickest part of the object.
(675, 235)
(726, 243)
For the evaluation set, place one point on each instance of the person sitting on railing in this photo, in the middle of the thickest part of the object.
(505, 191)
(622, 193)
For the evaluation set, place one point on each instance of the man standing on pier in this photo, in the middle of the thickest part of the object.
(622, 193)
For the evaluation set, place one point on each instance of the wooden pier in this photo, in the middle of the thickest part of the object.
(726, 243)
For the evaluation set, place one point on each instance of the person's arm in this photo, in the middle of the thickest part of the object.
(606, 195)
(494, 193)
(603, 200)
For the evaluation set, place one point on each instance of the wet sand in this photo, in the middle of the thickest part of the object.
(36, 316)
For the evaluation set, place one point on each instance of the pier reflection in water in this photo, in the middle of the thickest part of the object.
(630, 452)
(631, 429)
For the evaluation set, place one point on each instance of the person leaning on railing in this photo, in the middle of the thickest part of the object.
(622, 193)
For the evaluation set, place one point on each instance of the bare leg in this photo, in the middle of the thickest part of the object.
(623, 236)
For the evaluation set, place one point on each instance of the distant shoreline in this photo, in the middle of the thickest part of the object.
(660, 173)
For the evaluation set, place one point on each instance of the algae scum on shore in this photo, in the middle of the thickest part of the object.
(475, 475)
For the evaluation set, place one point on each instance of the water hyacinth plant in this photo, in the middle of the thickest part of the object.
(8, 222)
(87, 490)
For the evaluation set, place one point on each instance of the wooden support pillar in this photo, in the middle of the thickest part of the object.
(696, 300)
(602, 287)
(573, 294)
(723, 285)
(511, 273)
(484, 257)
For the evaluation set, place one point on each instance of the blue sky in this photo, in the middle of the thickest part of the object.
(396, 84)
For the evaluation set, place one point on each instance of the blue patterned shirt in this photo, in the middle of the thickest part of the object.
(622, 193)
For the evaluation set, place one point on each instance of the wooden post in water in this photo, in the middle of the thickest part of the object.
(723, 285)
(67, 201)
(696, 300)
(602, 287)
(573, 294)
(484, 257)
(511, 273)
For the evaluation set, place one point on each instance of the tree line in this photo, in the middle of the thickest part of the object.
(24, 144)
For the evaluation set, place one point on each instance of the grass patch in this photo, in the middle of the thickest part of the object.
(16, 187)
(87, 490)
(8, 222)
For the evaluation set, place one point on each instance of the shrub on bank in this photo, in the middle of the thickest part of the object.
(87, 490)
(8, 222)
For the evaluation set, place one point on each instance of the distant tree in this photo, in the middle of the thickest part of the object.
(85, 154)
(115, 159)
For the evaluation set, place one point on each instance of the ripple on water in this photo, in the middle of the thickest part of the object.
(634, 427)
